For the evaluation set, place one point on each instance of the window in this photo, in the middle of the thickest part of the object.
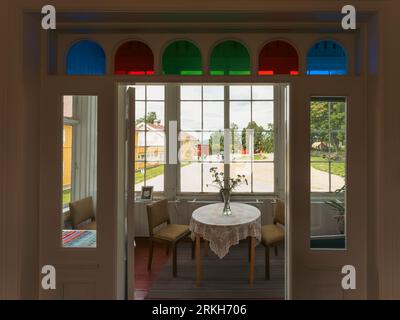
(150, 142)
(230, 58)
(182, 58)
(201, 136)
(69, 124)
(86, 57)
(278, 57)
(328, 173)
(328, 144)
(79, 168)
(246, 114)
(253, 136)
(327, 58)
(134, 58)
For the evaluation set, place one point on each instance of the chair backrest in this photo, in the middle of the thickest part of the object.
(279, 212)
(81, 211)
(157, 214)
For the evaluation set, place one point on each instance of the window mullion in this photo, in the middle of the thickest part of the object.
(145, 137)
(279, 141)
(253, 141)
(226, 126)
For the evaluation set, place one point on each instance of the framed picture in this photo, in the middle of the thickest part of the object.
(147, 193)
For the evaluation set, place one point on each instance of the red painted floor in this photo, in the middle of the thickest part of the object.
(143, 278)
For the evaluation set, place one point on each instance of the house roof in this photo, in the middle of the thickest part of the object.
(150, 126)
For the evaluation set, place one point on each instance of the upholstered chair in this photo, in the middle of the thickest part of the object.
(274, 234)
(162, 231)
(83, 211)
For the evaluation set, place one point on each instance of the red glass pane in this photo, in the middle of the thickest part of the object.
(134, 58)
(278, 57)
(266, 73)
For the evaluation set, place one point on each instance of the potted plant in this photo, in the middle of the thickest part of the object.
(226, 186)
(338, 205)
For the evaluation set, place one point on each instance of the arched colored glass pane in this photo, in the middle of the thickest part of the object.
(134, 58)
(182, 58)
(278, 57)
(86, 57)
(230, 58)
(327, 58)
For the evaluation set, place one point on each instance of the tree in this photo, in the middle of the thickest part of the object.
(328, 125)
(216, 142)
(235, 138)
(151, 118)
(263, 139)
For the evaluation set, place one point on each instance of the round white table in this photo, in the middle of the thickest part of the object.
(222, 232)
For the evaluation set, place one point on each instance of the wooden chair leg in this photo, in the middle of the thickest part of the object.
(267, 276)
(174, 262)
(276, 251)
(168, 248)
(150, 256)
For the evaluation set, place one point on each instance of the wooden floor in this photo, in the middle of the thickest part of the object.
(222, 279)
(144, 279)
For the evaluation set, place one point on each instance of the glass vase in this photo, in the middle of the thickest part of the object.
(226, 196)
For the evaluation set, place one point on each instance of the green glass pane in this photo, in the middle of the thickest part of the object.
(217, 73)
(182, 58)
(239, 73)
(230, 58)
(191, 73)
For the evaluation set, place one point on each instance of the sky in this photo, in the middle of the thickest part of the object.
(247, 103)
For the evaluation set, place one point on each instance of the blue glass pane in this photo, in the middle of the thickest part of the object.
(86, 58)
(327, 58)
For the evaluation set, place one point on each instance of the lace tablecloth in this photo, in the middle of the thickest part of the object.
(225, 231)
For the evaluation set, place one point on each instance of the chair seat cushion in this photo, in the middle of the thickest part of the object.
(172, 232)
(89, 226)
(272, 235)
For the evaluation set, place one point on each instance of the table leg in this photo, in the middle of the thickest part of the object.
(249, 248)
(198, 262)
(252, 257)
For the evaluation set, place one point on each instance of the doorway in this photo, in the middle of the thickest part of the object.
(199, 113)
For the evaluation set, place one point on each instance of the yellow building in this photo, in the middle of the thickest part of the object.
(152, 136)
(67, 157)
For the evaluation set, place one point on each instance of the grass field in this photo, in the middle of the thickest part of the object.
(66, 196)
(337, 168)
(151, 173)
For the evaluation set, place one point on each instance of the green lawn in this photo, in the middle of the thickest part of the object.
(338, 169)
(260, 156)
(67, 196)
(151, 173)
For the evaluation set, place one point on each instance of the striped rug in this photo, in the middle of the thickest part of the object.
(221, 279)
(79, 238)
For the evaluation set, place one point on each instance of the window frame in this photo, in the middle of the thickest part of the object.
(330, 194)
(158, 192)
(278, 103)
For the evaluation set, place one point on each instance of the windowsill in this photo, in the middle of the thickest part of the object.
(322, 197)
(217, 197)
(212, 198)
